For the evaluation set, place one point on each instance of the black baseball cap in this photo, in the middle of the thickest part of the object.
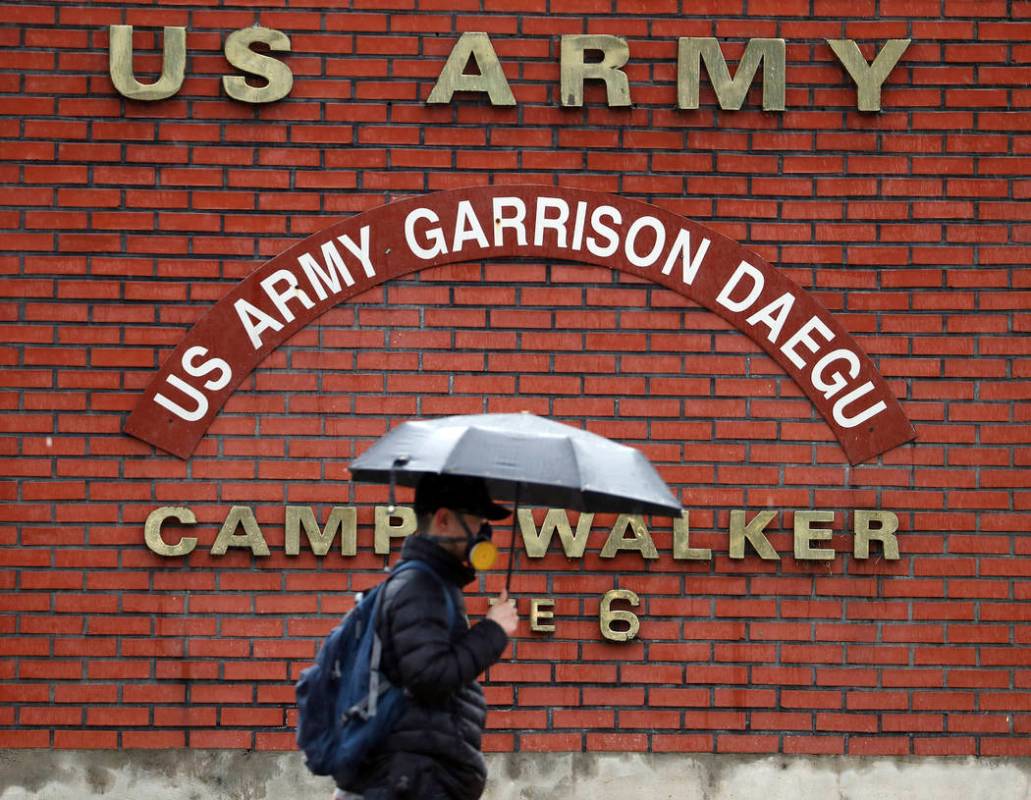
(459, 493)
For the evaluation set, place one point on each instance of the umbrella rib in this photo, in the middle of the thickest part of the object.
(571, 444)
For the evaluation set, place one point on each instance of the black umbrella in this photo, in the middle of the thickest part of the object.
(523, 458)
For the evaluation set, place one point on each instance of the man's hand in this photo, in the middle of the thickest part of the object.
(504, 613)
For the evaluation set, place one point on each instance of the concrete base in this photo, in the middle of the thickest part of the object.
(235, 775)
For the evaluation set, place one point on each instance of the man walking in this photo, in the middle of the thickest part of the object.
(433, 752)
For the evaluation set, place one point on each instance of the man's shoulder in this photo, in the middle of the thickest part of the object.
(414, 597)
(416, 581)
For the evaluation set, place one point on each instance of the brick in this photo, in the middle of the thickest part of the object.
(220, 740)
(744, 743)
(954, 746)
(85, 740)
(550, 742)
(153, 740)
(878, 745)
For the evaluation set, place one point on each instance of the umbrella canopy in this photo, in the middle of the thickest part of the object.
(523, 457)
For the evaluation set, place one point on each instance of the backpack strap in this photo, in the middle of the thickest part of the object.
(375, 676)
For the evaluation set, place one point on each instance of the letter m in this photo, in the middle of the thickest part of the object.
(730, 91)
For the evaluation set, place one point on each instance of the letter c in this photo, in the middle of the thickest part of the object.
(152, 531)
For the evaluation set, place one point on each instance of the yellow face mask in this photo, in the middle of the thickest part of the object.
(480, 551)
(482, 554)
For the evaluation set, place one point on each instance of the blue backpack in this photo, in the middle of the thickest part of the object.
(347, 706)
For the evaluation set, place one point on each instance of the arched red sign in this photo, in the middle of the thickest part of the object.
(347, 258)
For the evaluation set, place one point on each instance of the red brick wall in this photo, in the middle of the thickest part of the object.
(121, 222)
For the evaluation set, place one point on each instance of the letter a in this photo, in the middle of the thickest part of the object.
(490, 80)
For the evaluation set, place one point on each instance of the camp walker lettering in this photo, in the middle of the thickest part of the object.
(486, 223)
(240, 530)
(629, 534)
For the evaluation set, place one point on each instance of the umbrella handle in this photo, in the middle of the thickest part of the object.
(400, 461)
(511, 546)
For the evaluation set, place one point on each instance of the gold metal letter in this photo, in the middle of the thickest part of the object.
(536, 543)
(887, 522)
(396, 525)
(615, 53)
(609, 616)
(491, 77)
(152, 531)
(341, 518)
(753, 532)
(541, 609)
(173, 65)
(239, 53)
(806, 534)
(251, 536)
(641, 541)
(868, 77)
(682, 549)
(730, 93)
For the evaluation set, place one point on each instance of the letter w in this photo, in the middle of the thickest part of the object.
(537, 542)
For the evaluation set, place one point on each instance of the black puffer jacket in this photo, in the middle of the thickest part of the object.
(435, 747)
